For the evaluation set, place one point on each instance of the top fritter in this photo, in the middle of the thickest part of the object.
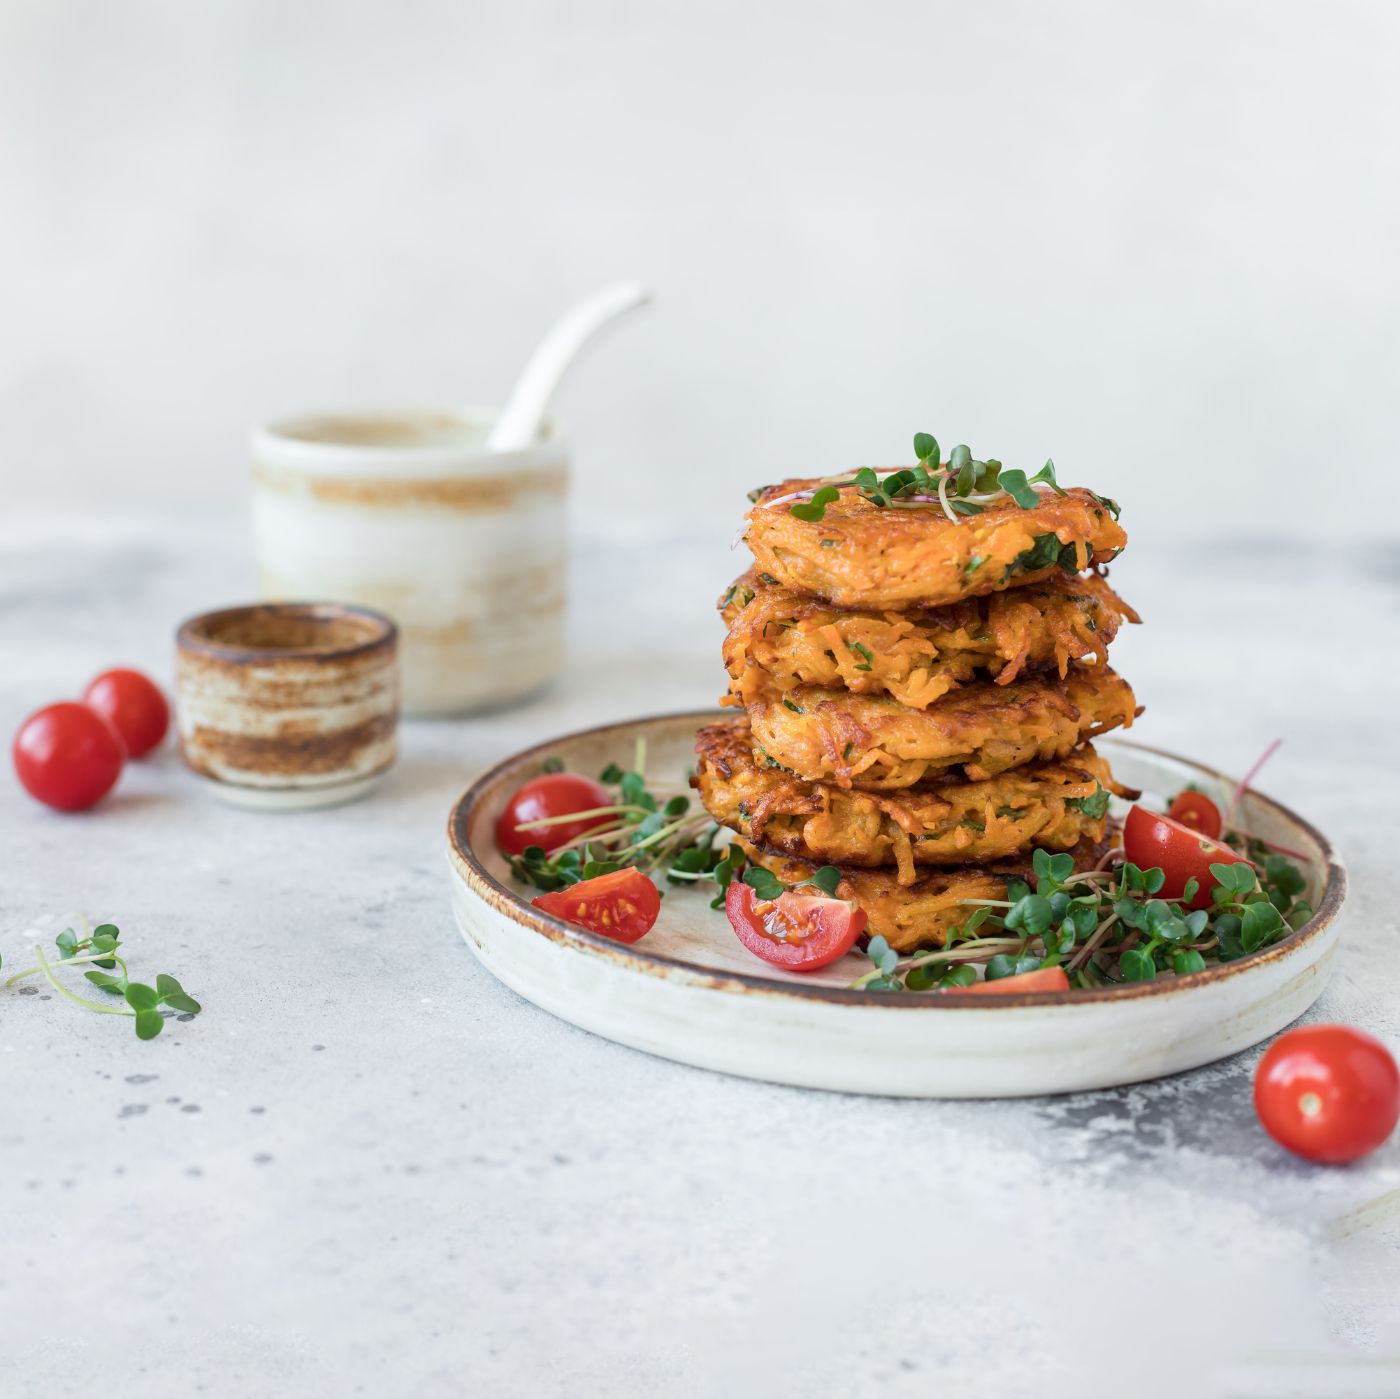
(898, 541)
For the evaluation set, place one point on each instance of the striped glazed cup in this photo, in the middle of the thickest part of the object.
(408, 513)
(285, 705)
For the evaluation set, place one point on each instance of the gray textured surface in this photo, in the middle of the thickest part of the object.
(369, 1169)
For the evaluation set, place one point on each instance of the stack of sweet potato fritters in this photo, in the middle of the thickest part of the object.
(919, 694)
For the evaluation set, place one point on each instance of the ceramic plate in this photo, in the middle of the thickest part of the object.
(690, 991)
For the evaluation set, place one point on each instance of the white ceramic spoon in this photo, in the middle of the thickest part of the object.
(520, 420)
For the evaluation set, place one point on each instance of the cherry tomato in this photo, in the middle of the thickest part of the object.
(133, 705)
(621, 905)
(1196, 810)
(1151, 839)
(553, 794)
(68, 756)
(1041, 979)
(798, 932)
(1328, 1092)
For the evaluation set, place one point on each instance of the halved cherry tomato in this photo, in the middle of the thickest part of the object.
(1041, 979)
(1151, 839)
(798, 932)
(68, 756)
(133, 705)
(1196, 810)
(621, 905)
(553, 794)
(1328, 1092)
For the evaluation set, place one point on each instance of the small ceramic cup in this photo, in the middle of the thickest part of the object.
(407, 512)
(288, 705)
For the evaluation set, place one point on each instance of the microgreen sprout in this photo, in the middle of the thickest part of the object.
(962, 486)
(815, 508)
(98, 950)
(768, 886)
(1106, 926)
(650, 826)
(659, 835)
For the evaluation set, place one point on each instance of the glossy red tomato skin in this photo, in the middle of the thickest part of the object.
(68, 756)
(552, 794)
(1328, 1093)
(1151, 839)
(133, 705)
(798, 932)
(1197, 812)
(1041, 979)
(622, 905)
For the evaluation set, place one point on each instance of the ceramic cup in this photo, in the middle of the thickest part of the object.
(408, 513)
(288, 705)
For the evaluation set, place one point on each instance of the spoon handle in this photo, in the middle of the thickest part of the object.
(520, 420)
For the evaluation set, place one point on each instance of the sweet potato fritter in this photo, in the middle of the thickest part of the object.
(779, 639)
(860, 555)
(918, 915)
(1051, 805)
(874, 742)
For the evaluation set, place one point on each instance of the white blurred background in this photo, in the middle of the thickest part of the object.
(1158, 242)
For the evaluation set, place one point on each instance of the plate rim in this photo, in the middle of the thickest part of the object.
(513, 905)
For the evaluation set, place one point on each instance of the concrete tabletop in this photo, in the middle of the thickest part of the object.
(368, 1168)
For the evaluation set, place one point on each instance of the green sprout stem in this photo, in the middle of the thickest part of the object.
(83, 959)
(943, 497)
(46, 967)
(978, 950)
(1092, 944)
(657, 836)
(580, 815)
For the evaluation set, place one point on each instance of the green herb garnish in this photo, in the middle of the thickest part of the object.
(1045, 552)
(648, 825)
(930, 481)
(815, 509)
(96, 950)
(1018, 485)
(1095, 807)
(1106, 926)
(768, 886)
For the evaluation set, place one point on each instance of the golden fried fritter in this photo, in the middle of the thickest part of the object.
(1051, 805)
(874, 742)
(901, 556)
(779, 639)
(918, 915)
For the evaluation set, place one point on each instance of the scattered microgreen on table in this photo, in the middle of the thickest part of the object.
(99, 951)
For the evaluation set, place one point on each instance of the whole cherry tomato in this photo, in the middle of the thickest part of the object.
(553, 794)
(68, 756)
(1328, 1092)
(133, 705)
(797, 931)
(1196, 810)
(621, 905)
(1151, 839)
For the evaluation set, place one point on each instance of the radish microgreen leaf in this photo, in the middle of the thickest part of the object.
(1108, 926)
(144, 1005)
